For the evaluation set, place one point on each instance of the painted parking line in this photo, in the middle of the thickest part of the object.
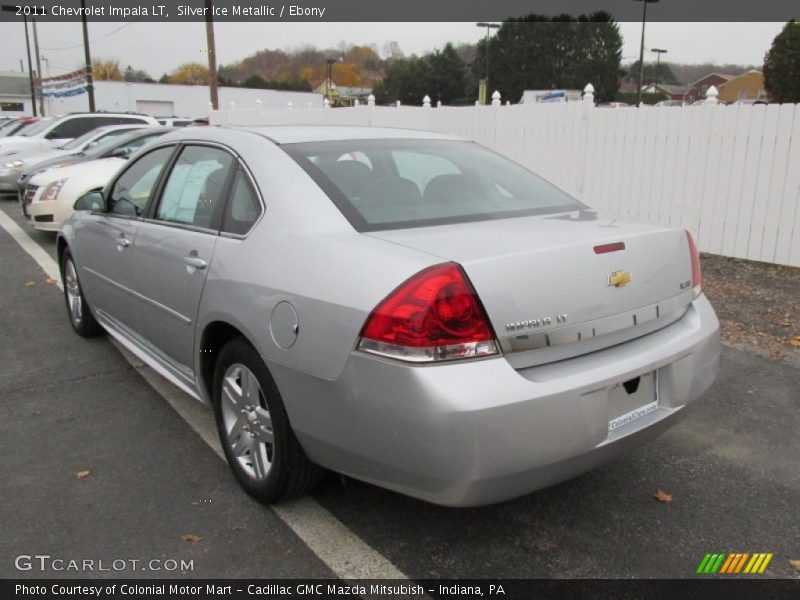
(347, 555)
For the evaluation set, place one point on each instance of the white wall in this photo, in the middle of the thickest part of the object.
(13, 113)
(730, 174)
(188, 100)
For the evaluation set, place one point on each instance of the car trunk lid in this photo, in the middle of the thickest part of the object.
(550, 294)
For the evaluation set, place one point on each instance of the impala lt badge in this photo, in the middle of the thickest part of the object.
(619, 278)
(560, 319)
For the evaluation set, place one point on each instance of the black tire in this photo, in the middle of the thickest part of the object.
(289, 473)
(81, 319)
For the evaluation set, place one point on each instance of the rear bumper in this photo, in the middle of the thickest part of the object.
(481, 432)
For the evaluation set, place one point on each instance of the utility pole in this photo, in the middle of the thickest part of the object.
(641, 50)
(212, 56)
(87, 58)
(14, 9)
(38, 66)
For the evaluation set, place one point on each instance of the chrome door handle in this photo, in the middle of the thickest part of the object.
(193, 261)
(124, 242)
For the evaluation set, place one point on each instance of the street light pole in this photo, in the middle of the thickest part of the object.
(330, 62)
(659, 52)
(641, 50)
(489, 27)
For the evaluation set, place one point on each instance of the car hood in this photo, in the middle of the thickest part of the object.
(33, 157)
(94, 169)
(18, 143)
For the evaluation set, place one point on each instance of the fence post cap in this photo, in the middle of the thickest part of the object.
(426, 101)
(589, 89)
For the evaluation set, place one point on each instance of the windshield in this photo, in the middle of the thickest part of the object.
(393, 184)
(40, 125)
(8, 126)
(129, 143)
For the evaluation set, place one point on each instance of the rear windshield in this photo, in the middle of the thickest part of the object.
(394, 184)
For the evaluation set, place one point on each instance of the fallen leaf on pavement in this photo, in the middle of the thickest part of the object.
(662, 496)
(795, 341)
(795, 564)
(82, 474)
(50, 281)
(777, 354)
(29, 283)
(191, 538)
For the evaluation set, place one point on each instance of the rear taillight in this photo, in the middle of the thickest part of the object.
(697, 279)
(433, 316)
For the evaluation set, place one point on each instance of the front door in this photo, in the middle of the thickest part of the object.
(175, 247)
(104, 248)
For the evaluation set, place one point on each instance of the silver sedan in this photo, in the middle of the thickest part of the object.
(409, 309)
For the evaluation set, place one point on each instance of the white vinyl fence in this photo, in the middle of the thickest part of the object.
(730, 174)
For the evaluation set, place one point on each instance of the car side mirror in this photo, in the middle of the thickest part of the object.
(51, 135)
(120, 153)
(92, 201)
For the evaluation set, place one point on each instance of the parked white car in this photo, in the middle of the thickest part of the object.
(50, 196)
(11, 168)
(62, 129)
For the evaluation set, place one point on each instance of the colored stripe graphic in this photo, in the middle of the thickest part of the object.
(734, 562)
(727, 564)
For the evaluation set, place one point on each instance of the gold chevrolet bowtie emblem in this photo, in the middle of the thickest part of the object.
(620, 278)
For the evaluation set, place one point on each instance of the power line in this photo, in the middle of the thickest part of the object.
(102, 37)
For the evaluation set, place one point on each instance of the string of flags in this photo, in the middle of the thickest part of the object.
(62, 86)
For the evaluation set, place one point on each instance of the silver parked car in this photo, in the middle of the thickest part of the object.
(409, 309)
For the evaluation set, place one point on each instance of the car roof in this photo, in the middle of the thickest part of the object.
(295, 134)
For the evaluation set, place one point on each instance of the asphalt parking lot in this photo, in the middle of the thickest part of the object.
(71, 405)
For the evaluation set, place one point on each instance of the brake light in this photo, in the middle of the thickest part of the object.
(697, 279)
(435, 315)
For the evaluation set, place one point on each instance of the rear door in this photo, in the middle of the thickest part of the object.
(175, 246)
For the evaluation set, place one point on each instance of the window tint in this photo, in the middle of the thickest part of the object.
(132, 190)
(414, 183)
(243, 209)
(194, 191)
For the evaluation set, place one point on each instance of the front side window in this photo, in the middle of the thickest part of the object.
(195, 188)
(132, 190)
(414, 183)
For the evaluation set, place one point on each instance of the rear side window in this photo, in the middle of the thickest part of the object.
(400, 183)
(195, 190)
(243, 208)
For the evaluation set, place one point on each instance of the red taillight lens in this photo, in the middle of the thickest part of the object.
(697, 279)
(433, 316)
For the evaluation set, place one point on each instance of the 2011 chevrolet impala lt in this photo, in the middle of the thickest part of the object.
(409, 309)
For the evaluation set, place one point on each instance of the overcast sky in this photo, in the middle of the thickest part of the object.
(160, 47)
